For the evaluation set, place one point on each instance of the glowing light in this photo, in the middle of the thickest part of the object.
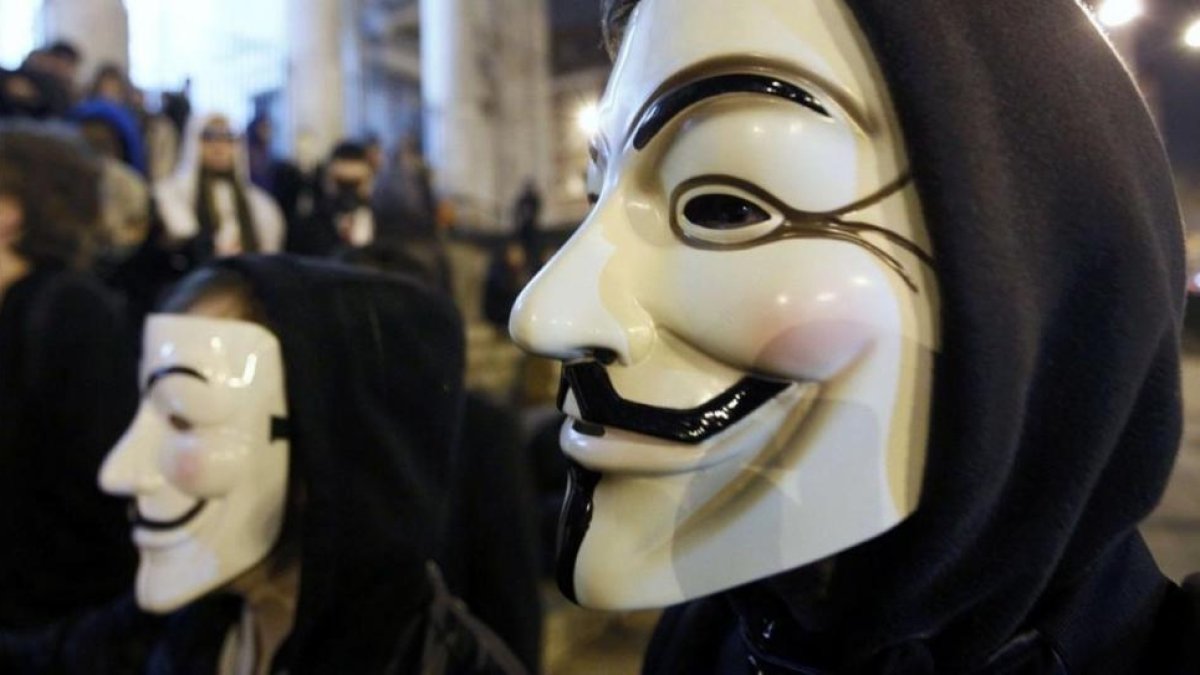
(588, 119)
(1191, 37)
(1115, 13)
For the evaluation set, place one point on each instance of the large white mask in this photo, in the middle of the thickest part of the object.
(206, 459)
(747, 317)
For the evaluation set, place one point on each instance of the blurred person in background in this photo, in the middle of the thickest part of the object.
(264, 165)
(60, 59)
(404, 196)
(177, 108)
(112, 84)
(125, 198)
(56, 66)
(158, 141)
(342, 216)
(209, 207)
(30, 95)
(67, 385)
(159, 137)
(515, 263)
(376, 156)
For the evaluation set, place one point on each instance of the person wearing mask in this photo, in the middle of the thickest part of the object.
(342, 216)
(871, 343)
(67, 385)
(288, 475)
(209, 206)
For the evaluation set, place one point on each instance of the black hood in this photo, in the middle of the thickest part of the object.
(1056, 412)
(373, 368)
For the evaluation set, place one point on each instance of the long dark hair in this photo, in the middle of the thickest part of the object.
(206, 215)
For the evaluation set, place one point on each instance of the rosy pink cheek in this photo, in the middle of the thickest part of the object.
(186, 473)
(815, 350)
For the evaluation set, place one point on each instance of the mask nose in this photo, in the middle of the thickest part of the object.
(582, 303)
(132, 465)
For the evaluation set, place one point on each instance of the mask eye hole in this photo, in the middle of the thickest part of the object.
(723, 212)
(719, 214)
(180, 423)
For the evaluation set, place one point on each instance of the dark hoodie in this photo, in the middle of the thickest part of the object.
(1056, 411)
(373, 371)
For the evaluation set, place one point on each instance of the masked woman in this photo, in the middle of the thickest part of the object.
(287, 472)
(209, 204)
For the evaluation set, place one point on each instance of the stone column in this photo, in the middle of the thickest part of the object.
(316, 87)
(485, 82)
(526, 114)
(459, 108)
(100, 28)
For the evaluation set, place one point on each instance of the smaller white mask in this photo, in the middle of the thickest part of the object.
(205, 461)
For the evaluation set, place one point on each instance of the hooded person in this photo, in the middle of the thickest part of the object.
(67, 384)
(871, 342)
(288, 470)
(210, 204)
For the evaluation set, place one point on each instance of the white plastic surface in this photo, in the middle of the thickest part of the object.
(835, 459)
(205, 441)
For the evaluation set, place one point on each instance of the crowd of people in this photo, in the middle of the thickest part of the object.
(403, 502)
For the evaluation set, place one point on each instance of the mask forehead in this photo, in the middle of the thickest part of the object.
(815, 40)
(224, 351)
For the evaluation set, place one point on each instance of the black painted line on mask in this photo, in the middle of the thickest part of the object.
(174, 370)
(281, 429)
(673, 102)
(573, 524)
(141, 521)
(799, 224)
(599, 403)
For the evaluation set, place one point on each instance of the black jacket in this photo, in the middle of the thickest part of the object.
(68, 387)
(1056, 413)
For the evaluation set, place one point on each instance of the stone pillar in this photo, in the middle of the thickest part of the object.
(485, 85)
(527, 99)
(316, 87)
(100, 28)
(458, 107)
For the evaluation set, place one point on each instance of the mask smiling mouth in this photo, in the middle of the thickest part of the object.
(601, 406)
(138, 520)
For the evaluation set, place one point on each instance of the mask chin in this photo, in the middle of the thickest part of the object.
(217, 548)
(835, 470)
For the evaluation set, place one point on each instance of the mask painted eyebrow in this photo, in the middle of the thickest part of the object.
(174, 370)
(674, 101)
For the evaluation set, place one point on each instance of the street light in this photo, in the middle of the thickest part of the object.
(1191, 37)
(1116, 13)
(587, 118)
